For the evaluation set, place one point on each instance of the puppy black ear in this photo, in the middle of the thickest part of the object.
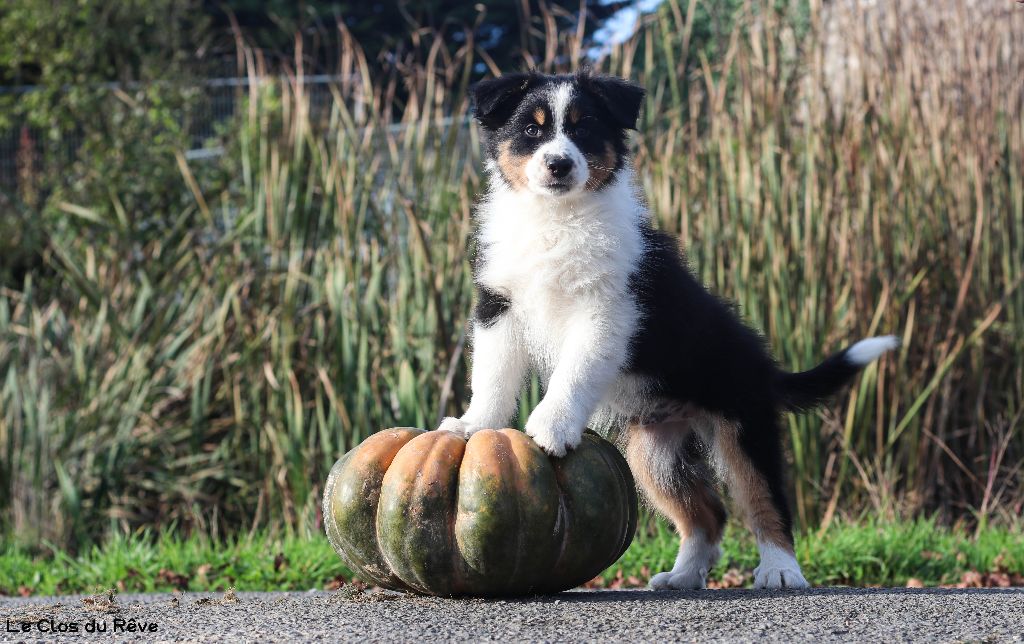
(620, 97)
(495, 99)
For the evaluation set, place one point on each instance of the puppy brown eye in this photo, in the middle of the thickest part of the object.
(581, 132)
(532, 130)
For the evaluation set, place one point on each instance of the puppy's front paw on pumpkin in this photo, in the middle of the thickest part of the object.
(456, 426)
(555, 438)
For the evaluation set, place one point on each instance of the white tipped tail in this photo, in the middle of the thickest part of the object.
(870, 349)
(808, 389)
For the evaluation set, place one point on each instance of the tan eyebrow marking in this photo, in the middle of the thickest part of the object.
(574, 114)
(539, 115)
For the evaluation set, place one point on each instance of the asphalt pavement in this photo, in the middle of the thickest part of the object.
(834, 614)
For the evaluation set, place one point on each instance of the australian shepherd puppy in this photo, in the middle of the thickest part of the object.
(573, 281)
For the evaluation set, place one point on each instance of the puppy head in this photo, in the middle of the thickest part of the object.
(556, 135)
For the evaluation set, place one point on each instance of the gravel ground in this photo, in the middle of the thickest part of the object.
(881, 615)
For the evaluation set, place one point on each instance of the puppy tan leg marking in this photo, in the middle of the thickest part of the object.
(675, 480)
(749, 486)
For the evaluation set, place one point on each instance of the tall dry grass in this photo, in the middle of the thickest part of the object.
(317, 288)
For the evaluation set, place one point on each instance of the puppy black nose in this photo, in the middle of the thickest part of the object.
(558, 166)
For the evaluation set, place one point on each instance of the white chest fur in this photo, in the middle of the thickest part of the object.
(563, 263)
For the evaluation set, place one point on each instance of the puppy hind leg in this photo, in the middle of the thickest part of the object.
(699, 523)
(679, 485)
(751, 456)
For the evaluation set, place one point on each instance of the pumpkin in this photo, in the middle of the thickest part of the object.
(435, 513)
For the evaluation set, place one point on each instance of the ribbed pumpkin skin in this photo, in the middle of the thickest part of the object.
(436, 514)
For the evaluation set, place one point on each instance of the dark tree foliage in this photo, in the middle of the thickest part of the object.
(383, 28)
(106, 111)
(60, 45)
(139, 40)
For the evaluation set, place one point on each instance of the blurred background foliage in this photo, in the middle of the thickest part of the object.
(196, 320)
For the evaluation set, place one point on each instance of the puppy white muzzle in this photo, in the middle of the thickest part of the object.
(557, 168)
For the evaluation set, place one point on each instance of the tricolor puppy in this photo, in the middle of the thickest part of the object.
(575, 283)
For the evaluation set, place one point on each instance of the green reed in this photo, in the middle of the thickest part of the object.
(317, 289)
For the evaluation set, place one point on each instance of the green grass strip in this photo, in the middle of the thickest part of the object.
(856, 555)
(867, 554)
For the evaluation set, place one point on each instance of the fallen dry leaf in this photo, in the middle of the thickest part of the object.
(971, 579)
(731, 578)
(997, 580)
(280, 561)
(229, 597)
(335, 583)
(103, 602)
(201, 573)
(172, 578)
(357, 591)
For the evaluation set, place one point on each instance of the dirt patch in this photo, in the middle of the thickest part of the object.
(103, 602)
(33, 614)
(360, 592)
(229, 597)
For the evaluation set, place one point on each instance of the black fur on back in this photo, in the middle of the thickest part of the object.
(696, 349)
(693, 344)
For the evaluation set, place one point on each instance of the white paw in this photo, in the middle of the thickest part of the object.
(775, 578)
(778, 569)
(697, 556)
(684, 580)
(457, 426)
(554, 435)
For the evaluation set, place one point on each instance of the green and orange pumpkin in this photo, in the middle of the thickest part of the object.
(435, 513)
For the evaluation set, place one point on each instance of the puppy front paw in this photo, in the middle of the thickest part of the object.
(457, 426)
(554, 435)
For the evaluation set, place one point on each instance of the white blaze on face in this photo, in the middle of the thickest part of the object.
(561, 96)
(538, 176)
